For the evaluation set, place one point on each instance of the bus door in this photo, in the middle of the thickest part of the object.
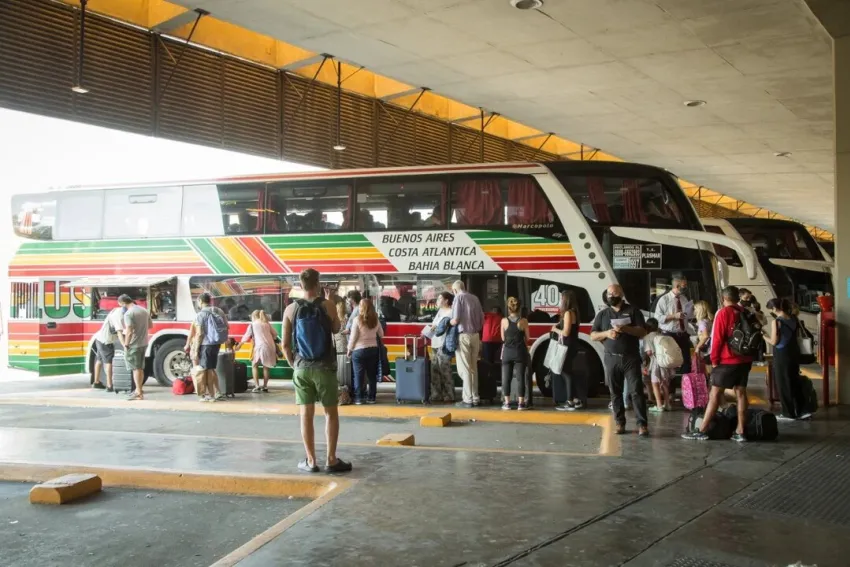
(490, 288)
(62, 343)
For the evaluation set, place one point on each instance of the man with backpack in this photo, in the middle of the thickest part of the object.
(211, 322)
(672, 315)
(308, 328)
(735, 338)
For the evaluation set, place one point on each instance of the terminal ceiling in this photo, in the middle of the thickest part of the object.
(608, 75)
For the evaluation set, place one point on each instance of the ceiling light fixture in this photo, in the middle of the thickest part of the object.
(527, 4)
(782, 154)
(694, 103)
(79, 89)
(339, 147)
(78, 84)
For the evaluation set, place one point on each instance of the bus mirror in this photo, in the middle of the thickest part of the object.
(689, 239)
(723, 270)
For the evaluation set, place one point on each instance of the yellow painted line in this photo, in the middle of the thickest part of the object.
(320, 488)
(234, 252)
(609, 445)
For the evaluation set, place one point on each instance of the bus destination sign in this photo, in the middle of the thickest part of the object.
(433, 252)
(637, 256)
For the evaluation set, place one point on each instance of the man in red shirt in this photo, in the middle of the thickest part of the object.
(729, 369)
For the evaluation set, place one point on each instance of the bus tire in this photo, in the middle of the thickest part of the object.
(170, 361)
(586, 363)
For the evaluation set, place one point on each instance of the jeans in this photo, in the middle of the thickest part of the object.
(624, 371)
(365, 363)
(512, 369)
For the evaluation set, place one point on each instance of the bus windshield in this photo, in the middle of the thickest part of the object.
(786, 240)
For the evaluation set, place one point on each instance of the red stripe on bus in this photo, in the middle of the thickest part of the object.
(118, 270)
(263, 255)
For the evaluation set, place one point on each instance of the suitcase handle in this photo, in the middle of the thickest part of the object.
(415, 340)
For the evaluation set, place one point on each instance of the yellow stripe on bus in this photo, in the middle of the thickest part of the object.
(527, 253)
(498, 249)
(238, 255)
(96, 258)
(329, 254)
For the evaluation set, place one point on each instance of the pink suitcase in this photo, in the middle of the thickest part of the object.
(694, 386)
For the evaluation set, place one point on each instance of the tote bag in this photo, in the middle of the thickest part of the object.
(556, 354)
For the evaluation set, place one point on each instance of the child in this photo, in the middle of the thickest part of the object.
(664, 357)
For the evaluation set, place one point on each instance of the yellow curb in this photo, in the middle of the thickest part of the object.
(396, 439)
(65, 489)
(436, 419)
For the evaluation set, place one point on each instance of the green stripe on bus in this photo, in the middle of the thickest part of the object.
(212, 256)
(480, 236)
(167, 245)
(343, 239)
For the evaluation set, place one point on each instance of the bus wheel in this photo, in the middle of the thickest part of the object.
(171, 362)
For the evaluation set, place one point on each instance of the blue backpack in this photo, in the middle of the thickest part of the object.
(215, 327)
(311, 332)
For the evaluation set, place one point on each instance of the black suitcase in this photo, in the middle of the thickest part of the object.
(760, 425)
(721, 427)
(122, 377)
(412, 376)
(559, 388)
(240, 378)
(489, 376)
(809, 394)
(225, 370)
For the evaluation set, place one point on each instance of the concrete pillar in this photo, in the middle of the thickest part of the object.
(841, 76)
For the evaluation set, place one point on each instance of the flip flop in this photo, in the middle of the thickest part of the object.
(339, 466)
(304, 466)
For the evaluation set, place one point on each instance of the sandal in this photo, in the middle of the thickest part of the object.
(338, 467)
(304, 466)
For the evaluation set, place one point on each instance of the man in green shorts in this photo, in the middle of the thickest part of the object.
(308, 326)
(137, 323)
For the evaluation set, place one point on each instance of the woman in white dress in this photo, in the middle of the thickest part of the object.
(264, 352)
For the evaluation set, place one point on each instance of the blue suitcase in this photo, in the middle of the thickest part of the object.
(412, 376)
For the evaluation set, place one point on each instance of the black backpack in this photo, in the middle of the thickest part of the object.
(746, 339)
(721, 427)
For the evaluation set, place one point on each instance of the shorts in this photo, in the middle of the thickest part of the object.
(315, 385)
(660, 375)
(135, 357)
(731, 375)
(104, 352)
(208, 356)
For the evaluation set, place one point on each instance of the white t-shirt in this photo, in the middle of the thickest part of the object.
(115, 320)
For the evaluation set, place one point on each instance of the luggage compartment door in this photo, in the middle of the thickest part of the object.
(62, 344)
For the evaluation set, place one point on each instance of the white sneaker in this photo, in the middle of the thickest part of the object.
(785, 418)
(805, 416)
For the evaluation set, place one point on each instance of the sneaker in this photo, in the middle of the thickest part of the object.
(564, 407)
(305, 466)
(358, 402)
(785, 418)
(371, 402)
(522, 406)
(219, 397)
(621, 429)
(578, 405)
(656, 409)
(265, 390)
(610, 405)
(211, 400)
(98, 386)
(507, 406)
(695, 436)
(465, 405)
(110, 389)
(807, 415)
(668, 407)
(739, 438)
(256, 390)
(643, 431)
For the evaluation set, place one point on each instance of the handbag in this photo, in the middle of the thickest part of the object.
(556, 354)
(805, 345)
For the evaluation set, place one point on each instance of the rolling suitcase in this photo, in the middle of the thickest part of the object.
(225, 371)
(240, 378)
(413, 375)
(343, 372)
(559, 388)
(809, 394)
(487, 381)
(122, 377)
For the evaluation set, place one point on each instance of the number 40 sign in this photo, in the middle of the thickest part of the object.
(547, 298)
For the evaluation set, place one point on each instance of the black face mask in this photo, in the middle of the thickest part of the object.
(614, 300)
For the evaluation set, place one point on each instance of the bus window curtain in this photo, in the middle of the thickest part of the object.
(273, 211)
(596, 192)
(478, 203)
(634, 212)
(260, 207)
(525, 203)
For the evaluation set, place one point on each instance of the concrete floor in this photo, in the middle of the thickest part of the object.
(663, 501)
(131, 527)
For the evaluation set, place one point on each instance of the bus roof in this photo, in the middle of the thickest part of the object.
(578, 167)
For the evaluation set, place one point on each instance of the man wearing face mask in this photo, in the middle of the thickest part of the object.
(672, 319)
(620, 327)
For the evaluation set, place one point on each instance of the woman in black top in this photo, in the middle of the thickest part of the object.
(567, 330)
(786, 360)
(514, 354)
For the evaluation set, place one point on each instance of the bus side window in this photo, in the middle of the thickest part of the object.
(308, 207)
(401, 204)
(241, 205)
(238, 297)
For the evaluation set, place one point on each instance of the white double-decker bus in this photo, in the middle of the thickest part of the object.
(401, 235)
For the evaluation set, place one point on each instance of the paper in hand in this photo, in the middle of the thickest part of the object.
(428, 332)
(622, 322)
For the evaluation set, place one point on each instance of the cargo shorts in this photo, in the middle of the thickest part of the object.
(315, 385)
(135, 358)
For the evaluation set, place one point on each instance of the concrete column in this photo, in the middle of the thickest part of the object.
(841, 76)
